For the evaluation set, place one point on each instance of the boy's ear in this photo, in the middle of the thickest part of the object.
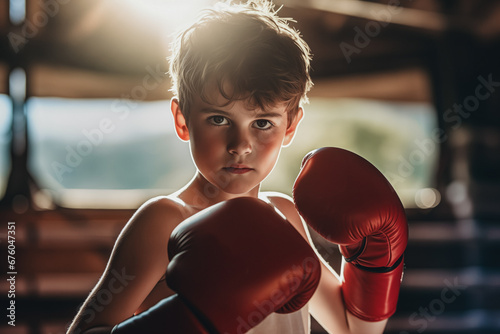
(291, 130)
(179, 120)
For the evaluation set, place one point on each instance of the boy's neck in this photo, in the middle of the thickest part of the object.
(200, 194)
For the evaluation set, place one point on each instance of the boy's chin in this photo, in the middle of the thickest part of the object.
(239, 189)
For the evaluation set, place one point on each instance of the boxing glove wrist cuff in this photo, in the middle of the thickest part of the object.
(170, 314)
(370, 295)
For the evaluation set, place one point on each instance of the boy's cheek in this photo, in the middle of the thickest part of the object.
(205, 135)
(270, 147)
(269, 137)
(205, 146)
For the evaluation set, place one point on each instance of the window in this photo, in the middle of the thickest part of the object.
(396, 137)
(105, 152)
(118, 153)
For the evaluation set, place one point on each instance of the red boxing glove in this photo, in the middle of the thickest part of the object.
(237, 262)
(349, 202)
(170, 315)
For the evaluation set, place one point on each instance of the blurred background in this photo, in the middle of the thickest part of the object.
(86, 137)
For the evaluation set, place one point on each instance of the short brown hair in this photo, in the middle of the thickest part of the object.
(246, 47)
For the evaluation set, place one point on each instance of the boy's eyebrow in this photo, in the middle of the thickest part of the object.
(270, 114)
(214, 111)
(218, 111)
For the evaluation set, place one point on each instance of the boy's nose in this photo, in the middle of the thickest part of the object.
(239, 143)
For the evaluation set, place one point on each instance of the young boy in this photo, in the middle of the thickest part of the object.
(239, 74)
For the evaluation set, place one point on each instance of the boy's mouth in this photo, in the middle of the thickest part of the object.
(238, 169)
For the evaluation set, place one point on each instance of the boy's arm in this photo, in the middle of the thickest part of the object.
(138, 261)
(326, 305)
(328, 308)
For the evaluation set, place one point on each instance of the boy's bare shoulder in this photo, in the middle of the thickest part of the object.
(285, 205)
(159, 214)
(281, 201)
(163, 205)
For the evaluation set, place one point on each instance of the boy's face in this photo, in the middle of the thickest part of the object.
(235, 147)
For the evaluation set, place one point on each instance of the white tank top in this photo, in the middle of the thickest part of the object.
(292, 323)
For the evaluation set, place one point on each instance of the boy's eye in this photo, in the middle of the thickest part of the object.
(218, 120)
(263, 124)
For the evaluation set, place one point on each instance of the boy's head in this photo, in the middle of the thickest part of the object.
(247, 52)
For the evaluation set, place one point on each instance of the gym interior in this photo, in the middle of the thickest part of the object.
(86, 137)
